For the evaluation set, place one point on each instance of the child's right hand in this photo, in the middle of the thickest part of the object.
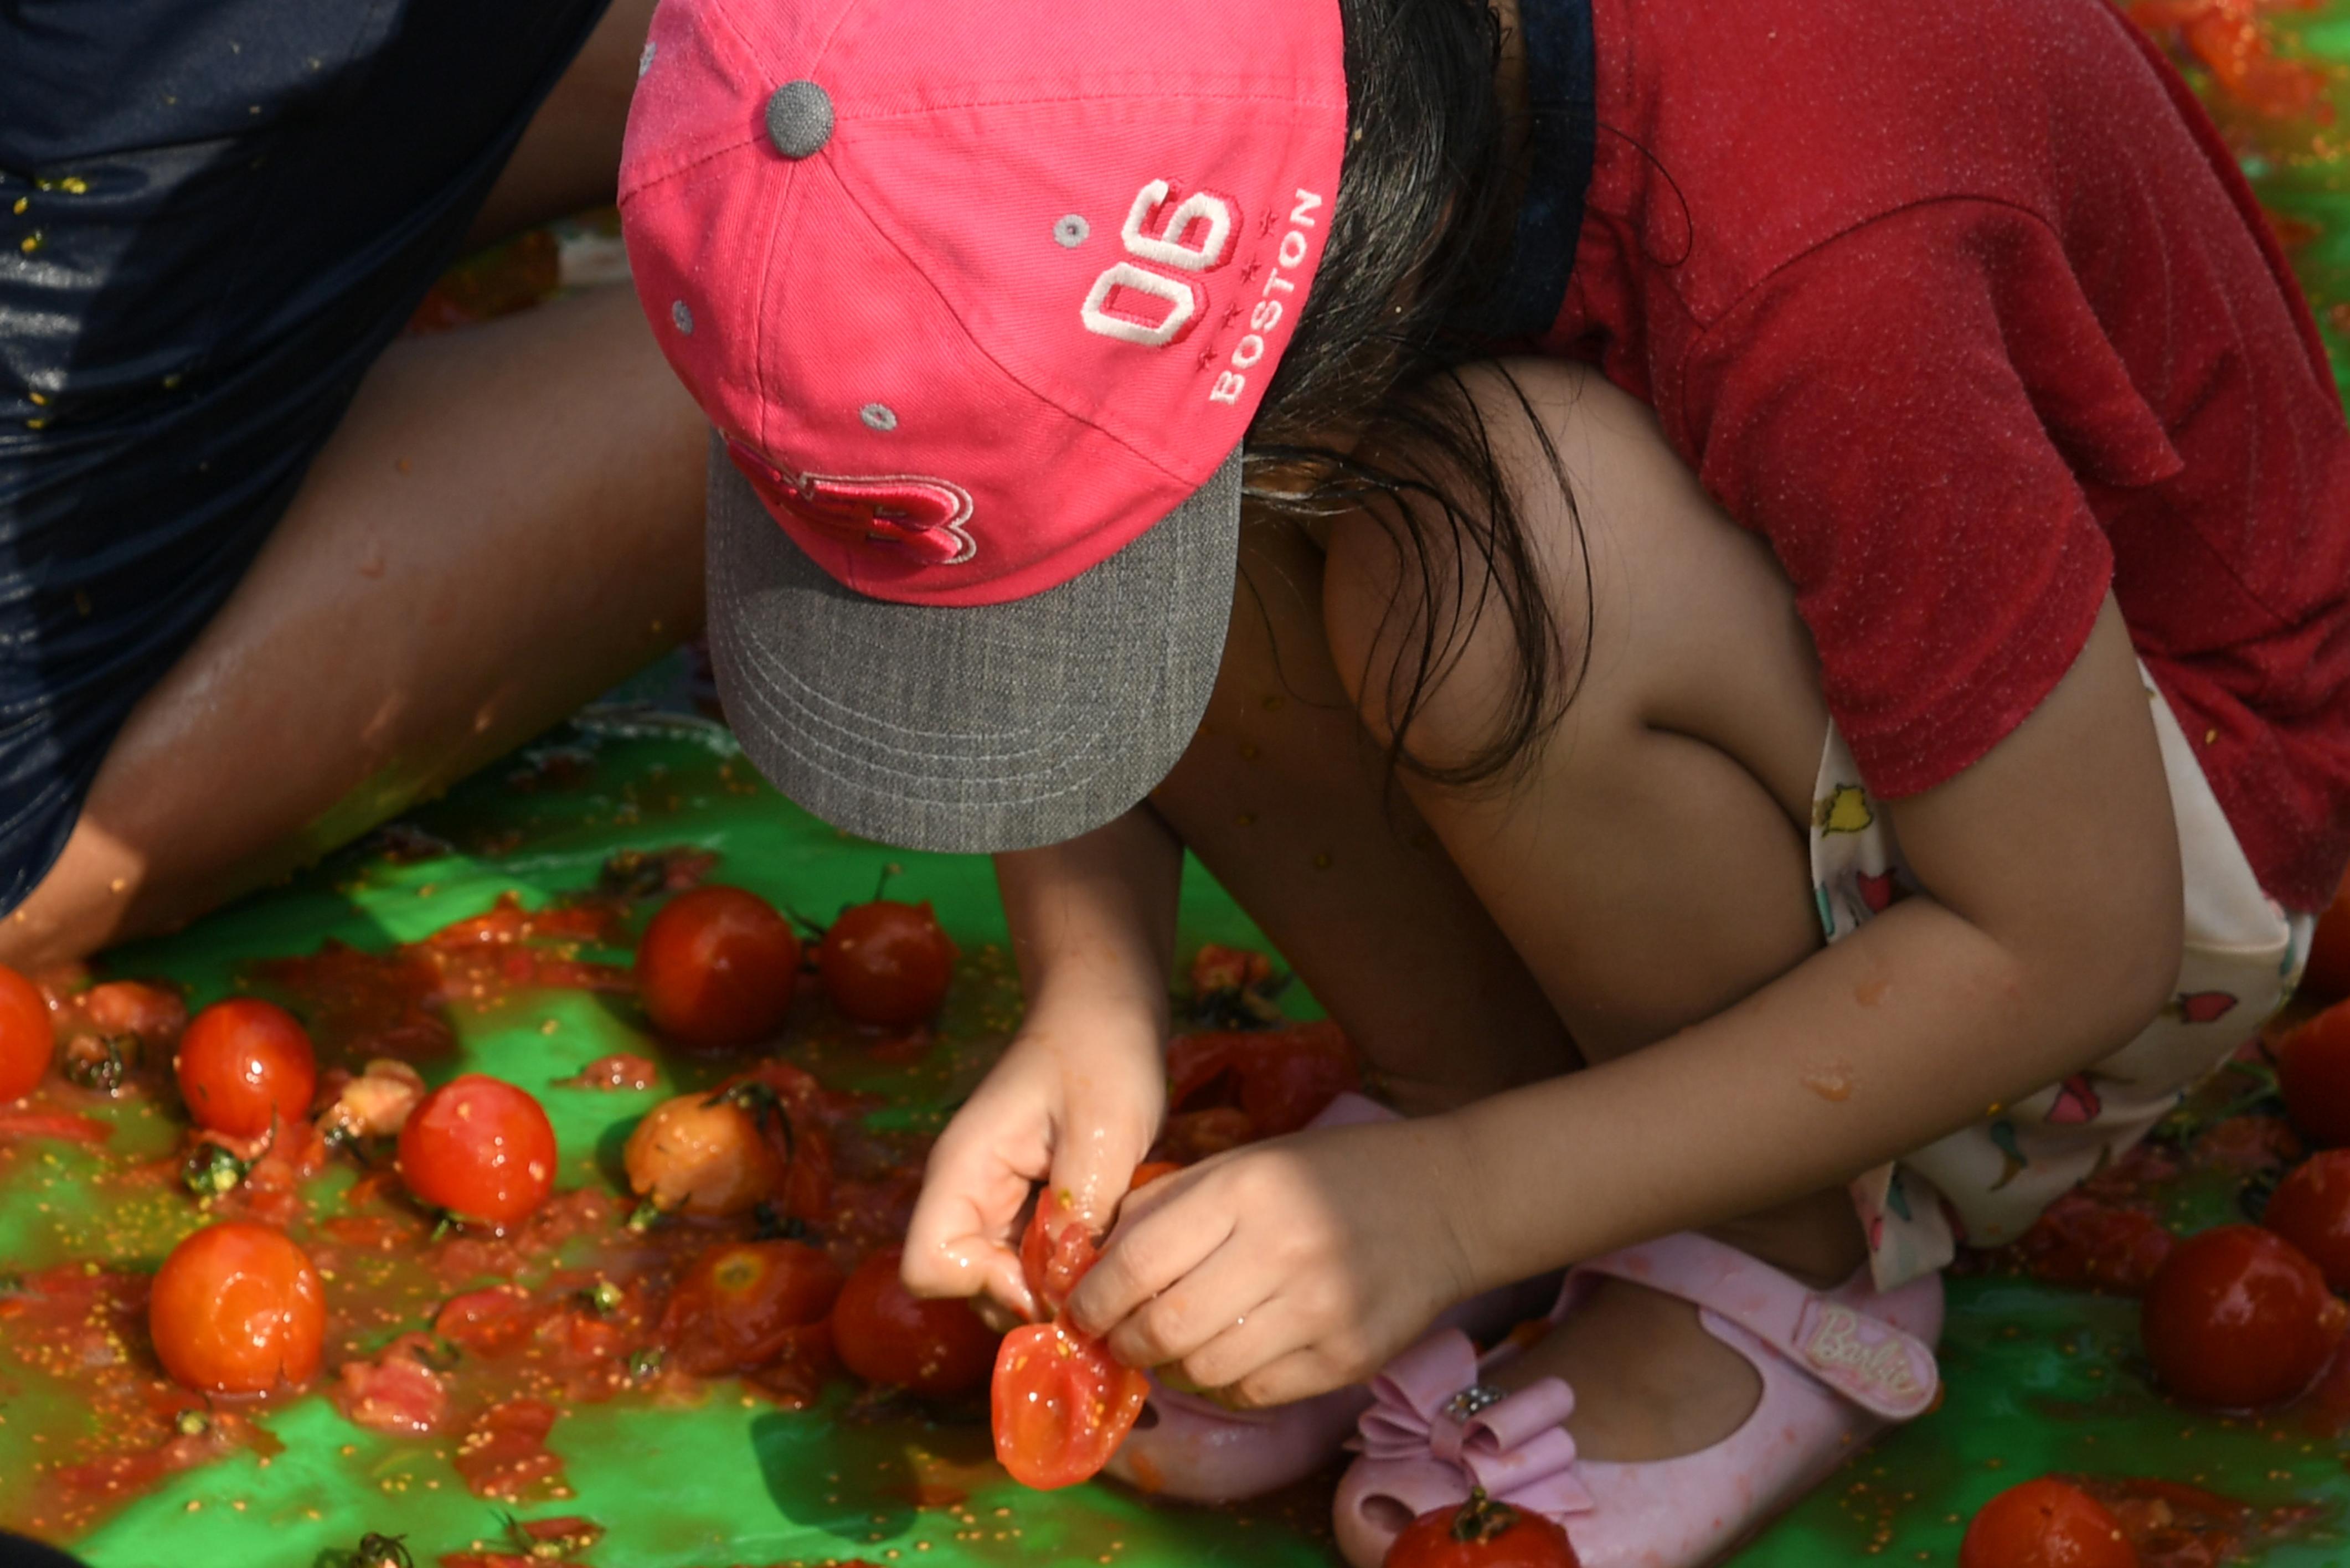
(1075, 1103)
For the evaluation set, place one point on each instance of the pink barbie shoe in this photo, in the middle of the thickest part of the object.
(1188, 1447)
(1837, 1367)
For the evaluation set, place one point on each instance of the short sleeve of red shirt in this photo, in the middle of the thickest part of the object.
(1877, 409)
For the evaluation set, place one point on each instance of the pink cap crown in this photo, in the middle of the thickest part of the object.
(977, 293)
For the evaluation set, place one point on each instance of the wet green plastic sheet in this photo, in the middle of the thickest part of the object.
(2037, 1380)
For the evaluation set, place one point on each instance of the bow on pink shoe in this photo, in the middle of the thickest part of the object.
(1836, 1366)
(1429, 1404)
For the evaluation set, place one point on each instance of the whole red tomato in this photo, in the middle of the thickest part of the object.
(2327, 973)
(27, 1040)
(2310, 1209)
(480, 1149)
(887, 1334)
(743, 1304)
(1481, 1533)
(886, 963)
(2236, 1319)
(1060, 1405)
(245, 1066)
(237, 1309)
(2314, 1070)
(2045, 1523)
(717, 967)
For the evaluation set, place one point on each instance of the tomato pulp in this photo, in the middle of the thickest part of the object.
(743, 1304)
(245, 1068)
(2237, 1320)
(887, 1334)
(480, 1149)
(1060, 1402)
(237, 1309)
(717, 967)
(886, 963)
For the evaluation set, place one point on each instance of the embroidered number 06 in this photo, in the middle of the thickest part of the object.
(1155, 298)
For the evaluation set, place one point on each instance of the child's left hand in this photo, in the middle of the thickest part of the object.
(1281, 1271)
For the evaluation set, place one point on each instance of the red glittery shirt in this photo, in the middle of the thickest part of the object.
(1965, 308)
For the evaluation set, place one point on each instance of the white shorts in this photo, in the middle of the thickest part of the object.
(1985, 1184)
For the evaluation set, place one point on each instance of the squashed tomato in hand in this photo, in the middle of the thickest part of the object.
(2310, 1209)
(27, 1041)
(2045, 1523)
(886, 963)
(717, 967)
(2237, 1320)
(887, 1334)
(742, 1304)
(480, 1149)
(2314, 1072)
(1061, 1404)
(237, 1309)
(245, 1066)
(1481, 1533)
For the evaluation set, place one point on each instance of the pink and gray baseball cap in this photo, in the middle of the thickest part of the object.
(979, 296)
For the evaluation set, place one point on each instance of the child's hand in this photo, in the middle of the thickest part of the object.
(1076, 1102)
(1279, 1272)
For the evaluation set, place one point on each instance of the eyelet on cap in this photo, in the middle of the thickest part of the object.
(878, 417)
(799, 120)
(1071, 230)
(645, 60)
(680, 317)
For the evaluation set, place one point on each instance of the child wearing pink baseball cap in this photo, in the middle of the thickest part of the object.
(1835, 515)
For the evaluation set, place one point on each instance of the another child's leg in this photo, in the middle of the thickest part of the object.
(507, 521)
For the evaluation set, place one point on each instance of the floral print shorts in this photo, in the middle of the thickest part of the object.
(1985, 1184)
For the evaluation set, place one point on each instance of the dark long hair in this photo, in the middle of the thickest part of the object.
(1418, 239)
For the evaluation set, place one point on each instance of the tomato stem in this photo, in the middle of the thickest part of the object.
(1481, 1519)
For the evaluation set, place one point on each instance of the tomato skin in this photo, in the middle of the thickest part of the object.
(886, 963)
(887, 1334)
(2314, 1070)
(717, 967)
(695, 1156)
(1481, 1534)
(244, 1066)
(2310, 1209)
(26, 1039)
(1282, 1078)
(1060, 1405)
(2237, 1320)
(2045, 1523)
(237, 1309)
(480, 1149)
(741, 1305)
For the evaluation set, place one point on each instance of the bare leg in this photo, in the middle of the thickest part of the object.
(1282, 797)
(508, 521)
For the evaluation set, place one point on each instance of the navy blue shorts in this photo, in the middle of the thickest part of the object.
(213, 216)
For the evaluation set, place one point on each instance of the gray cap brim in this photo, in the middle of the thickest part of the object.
(991, 728)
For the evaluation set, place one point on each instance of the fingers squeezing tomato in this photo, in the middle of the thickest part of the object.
(1061, 1403)
(237, 1309)
(479, 1148)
